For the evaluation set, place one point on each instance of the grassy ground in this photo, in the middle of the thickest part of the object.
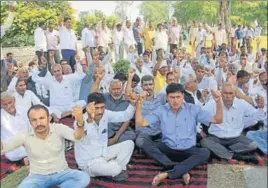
(13, 180)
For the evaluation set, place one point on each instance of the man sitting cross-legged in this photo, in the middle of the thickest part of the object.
(178, 121)
(44, 144)
(13, 121)
(61, 91)
(92, 154)
(225, 139)
(116, 101)
(149, 137)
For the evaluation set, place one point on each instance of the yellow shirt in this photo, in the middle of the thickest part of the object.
(159, 82)
(45, 156)
(147, 34)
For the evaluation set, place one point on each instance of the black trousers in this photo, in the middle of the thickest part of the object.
(149, 145)
(188, 159)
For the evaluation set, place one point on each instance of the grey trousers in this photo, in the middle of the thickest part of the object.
(129, 134)
(226, 147)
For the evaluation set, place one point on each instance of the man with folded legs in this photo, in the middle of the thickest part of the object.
(178, 121)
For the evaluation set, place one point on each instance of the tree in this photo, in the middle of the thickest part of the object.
(27, 16)
(155, 11)
(121, 9)
(94, 18)
(203, 11)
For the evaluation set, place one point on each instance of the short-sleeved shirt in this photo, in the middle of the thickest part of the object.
(179, 129)
(45, 156)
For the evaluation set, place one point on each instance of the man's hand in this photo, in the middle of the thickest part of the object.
(56, 120)
(204, 95)
(131, 73)
(99, 74)
(112, 141)
(260, 102)
(78, 115)
(132, 98)
(216, 95)
(91, 110)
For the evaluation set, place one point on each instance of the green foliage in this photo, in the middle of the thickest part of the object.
(204, 11)
(27, 16)
(95, 18)
(155, 11)
(246, 12)
(121, 66)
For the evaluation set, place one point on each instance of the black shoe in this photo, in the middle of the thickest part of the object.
(246, 158)
(120, 177)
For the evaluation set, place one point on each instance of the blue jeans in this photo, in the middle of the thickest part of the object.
(67, 179)
(68, 55)
(260, 137)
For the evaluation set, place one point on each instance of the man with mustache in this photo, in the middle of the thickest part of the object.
(13, 121)
(148, 137)
(260, 136)
(115, 101)
(61, 91)
(177, 121)
(44, 144)
(92, 153)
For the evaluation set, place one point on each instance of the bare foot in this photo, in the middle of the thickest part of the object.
(186, 178)
(160, 177)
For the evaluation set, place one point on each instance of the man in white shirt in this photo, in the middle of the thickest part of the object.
(67, 41)
(174, 34)
(13, 121)
(88, 39)
(118, 42)
(61, 91)
(249, 36)
(200, 39)
(160, 38)
(205, 81)
(260, 136)
(128, 36)
(225, 139)
(220, 34)
(192, 35)
(40, 41)
(25, 98)
(251, 56)
(53, 41)
(92, 154)
(258, 31)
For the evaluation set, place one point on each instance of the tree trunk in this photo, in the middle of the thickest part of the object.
(224, 17)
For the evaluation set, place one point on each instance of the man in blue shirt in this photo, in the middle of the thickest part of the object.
(178, 121)
(238, 35)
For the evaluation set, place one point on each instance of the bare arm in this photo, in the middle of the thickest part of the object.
(218, 117)
(139, 120)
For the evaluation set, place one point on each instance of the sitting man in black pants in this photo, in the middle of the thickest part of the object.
(148, 137)
(178, 121)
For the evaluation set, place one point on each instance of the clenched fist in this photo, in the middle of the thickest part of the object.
(78, 115)
(91, 110)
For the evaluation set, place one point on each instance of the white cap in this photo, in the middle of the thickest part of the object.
(163, 64)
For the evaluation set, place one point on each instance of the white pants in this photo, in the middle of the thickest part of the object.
(118, 52)
(58, 110)
(116, 160)
(16, 154)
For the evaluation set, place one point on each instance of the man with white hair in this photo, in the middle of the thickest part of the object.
(13, 121)
(225, 139)
(61, 91)
(174, 34)
(115, 101)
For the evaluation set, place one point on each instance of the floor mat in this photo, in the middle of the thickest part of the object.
(141, 171)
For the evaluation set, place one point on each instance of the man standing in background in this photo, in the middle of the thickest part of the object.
(174, 34)
(40, 41)
(137, 37)
(53, 41)
(192, 35)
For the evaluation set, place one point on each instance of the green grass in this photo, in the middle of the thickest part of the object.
(14, 179)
